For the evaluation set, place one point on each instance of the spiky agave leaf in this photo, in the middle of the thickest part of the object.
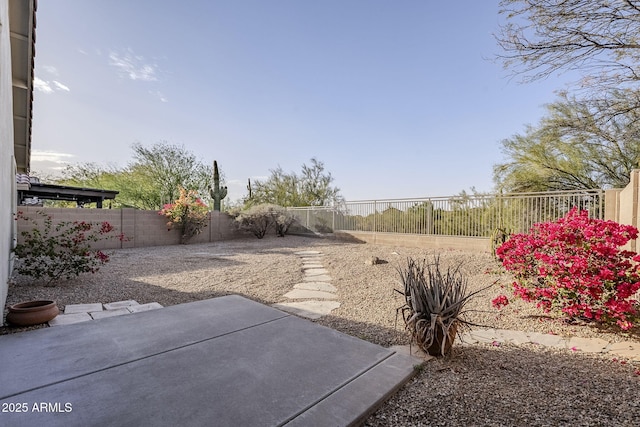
(434, 302)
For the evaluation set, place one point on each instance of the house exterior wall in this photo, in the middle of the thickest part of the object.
(7, 162)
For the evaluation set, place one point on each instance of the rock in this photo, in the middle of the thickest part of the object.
(374, 260)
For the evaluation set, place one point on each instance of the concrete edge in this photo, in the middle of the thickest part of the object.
(354, 402)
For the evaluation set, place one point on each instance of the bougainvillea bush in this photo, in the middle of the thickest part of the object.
(51, 252)
(189, 213)
(576, 266)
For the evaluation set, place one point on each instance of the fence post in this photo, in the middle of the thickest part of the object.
(375, 217)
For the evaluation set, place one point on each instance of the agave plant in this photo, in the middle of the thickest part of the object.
(434, 303)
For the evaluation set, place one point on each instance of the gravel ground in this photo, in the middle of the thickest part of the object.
(476, 385)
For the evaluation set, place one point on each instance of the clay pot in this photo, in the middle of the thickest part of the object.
(32, 312)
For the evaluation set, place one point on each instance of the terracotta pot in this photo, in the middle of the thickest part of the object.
(435, 349)
(32, 312)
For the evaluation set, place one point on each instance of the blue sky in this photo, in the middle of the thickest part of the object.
(398, 99)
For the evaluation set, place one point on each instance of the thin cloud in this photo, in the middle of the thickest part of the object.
(50, 69)
(133, 67)
(49, 161)
(60, 86)
(42, 86)
(159, 95)
(48, 87)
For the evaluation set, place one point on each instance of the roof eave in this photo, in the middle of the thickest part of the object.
(22, 24)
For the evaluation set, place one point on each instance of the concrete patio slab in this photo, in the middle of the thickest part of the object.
(309, 309)
(226, 361)
(109, 313)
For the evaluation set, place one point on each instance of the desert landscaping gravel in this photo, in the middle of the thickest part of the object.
(480, 384)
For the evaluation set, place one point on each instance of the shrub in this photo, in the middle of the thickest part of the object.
(434, 303)
(259, 219)
(282, 219)
(188, 213)
(61, 251)
(575, 266)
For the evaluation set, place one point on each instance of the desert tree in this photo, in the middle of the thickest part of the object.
(573, 147)
(599, 38)
(312, 187)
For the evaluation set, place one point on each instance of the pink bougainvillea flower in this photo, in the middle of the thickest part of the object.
(500, 301)
(575, 266)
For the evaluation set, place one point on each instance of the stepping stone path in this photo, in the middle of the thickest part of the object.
(627, 349)
(76, 313)
(315, 289)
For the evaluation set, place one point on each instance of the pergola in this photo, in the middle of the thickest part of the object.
(66, 193)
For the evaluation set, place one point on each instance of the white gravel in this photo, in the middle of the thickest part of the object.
(477, 385)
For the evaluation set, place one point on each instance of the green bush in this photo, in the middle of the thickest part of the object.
(51, 252)
(259, 219)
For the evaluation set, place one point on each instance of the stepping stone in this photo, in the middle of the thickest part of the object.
(514, 337)
(548, 340)
(120, 304)
(626, 349)
(68, 319)
(144, 307)
(306, 294)
(311, 266)
(302, 253)
(588, 345)
(316, 286)
(82, 308)
(109, 313)
(308, 309)
(316, 272)
(486, 336)
(321, 278)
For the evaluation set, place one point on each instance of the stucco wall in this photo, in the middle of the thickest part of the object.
(7, 177)
(141, 228)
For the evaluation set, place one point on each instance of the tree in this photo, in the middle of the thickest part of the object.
(600, 37)
(151, 180)
(170, 168)
(311, 188)
(574, 147)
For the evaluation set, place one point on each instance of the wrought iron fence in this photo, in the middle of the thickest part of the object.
(464, 215)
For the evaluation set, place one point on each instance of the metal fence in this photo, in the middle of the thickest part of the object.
(464, 215)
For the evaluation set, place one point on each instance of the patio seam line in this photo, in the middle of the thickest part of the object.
(337, 389)
(140, 358)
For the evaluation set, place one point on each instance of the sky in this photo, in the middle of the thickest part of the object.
(398, 99)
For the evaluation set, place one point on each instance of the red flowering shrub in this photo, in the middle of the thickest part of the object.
(189, 213)
(575, 265)
(62, 251)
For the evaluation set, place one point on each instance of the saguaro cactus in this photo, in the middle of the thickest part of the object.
(217, 193)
